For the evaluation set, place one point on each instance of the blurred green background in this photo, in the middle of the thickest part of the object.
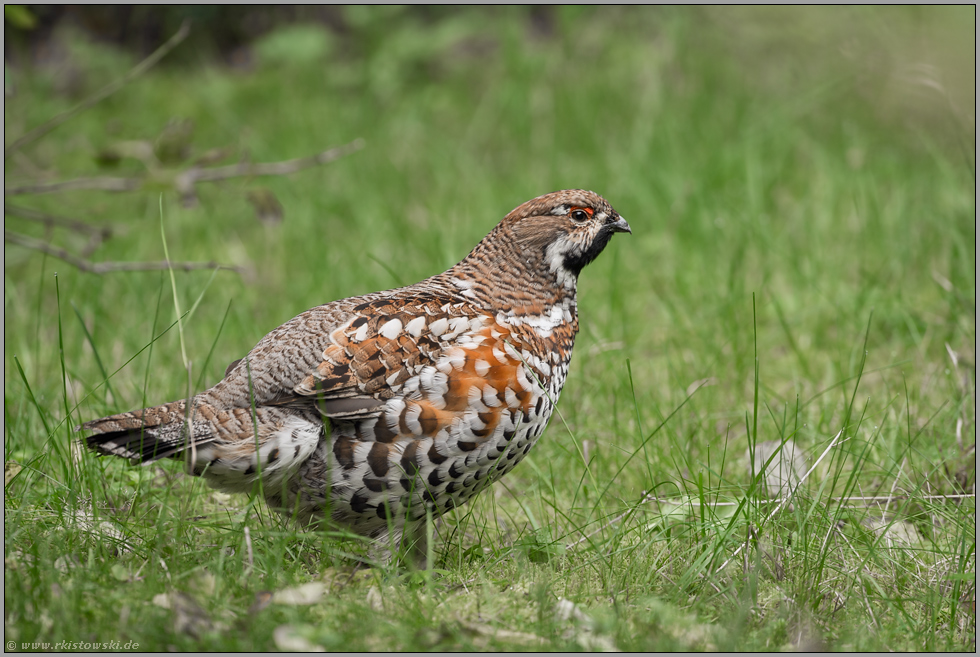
(800, 183)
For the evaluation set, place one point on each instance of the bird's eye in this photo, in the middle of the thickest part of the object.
(580, 215)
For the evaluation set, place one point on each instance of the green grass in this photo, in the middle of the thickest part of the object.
(802, 197)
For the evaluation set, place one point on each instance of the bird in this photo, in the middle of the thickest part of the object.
(372, 412)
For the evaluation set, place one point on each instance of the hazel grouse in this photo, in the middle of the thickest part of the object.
(371, 410)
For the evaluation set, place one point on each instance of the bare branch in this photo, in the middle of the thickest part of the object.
(184, 182)
(107, 267)
(107, 91)
(55, 220)
(96, 234)
(883, 498)
(273, 168)
(104, 184)
(780, 500)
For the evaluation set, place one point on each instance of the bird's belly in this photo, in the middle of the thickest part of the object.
(374, 485)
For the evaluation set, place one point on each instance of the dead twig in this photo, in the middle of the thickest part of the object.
(882, 498)
(107, 91)
(102, 183)
(250, 563)
(107, 267)
(185, 181)
(96, 234)
(852, 498)
(273, 168)
(51, 220)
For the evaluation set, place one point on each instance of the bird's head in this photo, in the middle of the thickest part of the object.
(563, 231)
(534, 255)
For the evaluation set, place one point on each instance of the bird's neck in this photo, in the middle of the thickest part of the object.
(514, 283)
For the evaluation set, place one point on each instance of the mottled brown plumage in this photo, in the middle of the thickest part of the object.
(432, 391)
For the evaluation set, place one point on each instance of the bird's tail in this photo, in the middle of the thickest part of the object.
(231, 448)
(148, 434)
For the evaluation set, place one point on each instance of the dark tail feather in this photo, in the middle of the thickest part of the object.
(138, 445)
(144, 436)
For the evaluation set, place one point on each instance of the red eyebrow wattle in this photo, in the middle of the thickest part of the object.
(588, 211)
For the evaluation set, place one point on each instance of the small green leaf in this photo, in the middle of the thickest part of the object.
(120, 572)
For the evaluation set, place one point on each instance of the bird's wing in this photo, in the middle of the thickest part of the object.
(419, 368)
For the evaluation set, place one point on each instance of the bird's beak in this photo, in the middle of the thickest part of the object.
(620, 226)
